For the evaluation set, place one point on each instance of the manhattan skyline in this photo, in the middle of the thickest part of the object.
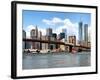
(55, 20)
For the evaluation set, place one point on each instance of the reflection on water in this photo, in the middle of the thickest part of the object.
(37, 61)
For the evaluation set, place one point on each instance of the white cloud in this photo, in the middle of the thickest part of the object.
(72, 28)
(56, 20)
(53, 21)
(43, 31)
(47, 22)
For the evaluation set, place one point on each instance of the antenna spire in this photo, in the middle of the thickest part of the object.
(80, 18)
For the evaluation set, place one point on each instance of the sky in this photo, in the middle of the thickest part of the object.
(55, 20)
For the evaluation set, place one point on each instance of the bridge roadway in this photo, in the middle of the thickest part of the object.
(55, 42)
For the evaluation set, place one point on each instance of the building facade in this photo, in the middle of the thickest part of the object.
(29, 45)
(49, 32)
(86, 32)
(65, 31)
(72, 39)
(34, 35)
(80, 32)
(39, 35)
(54, 35)
(62, 35)
(89, 36)
(24, 36)
(44, 45)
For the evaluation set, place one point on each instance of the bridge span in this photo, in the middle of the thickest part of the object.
(55, 42)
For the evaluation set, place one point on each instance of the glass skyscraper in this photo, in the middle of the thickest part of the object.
(86, 32)
(49, 32)
(65, 31)
(80, 31)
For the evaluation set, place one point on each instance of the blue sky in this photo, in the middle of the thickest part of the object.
(55, 20)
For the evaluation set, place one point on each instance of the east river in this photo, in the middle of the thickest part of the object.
(56, 60)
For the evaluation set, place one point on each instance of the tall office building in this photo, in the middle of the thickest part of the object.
(34, 35)
(24, 36)
(62, 35)
(54, 35)
(80, 32)
(36, 32)
(49, 32)
(39, 34)
(86, 32)
(89, 36)
(65, 31)
(40, 37)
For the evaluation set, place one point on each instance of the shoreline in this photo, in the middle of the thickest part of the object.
(52, 53)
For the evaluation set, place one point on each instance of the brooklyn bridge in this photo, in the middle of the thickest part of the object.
(70, 45)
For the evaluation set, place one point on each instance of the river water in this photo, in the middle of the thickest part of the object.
(58, 60)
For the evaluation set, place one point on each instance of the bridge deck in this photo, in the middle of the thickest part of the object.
(54, 42)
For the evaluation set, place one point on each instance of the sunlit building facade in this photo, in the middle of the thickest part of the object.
(86, 32)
